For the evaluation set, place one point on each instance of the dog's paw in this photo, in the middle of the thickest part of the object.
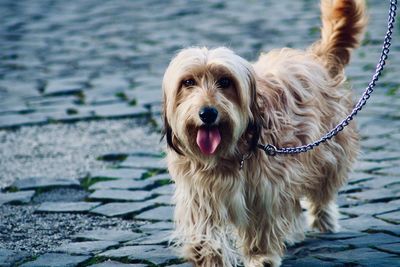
(209, 262)
(262, 261)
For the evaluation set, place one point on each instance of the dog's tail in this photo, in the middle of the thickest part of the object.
(343, 23)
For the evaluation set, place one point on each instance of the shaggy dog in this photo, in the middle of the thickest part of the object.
(218, 107)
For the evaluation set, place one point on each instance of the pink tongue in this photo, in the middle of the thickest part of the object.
(208, 139)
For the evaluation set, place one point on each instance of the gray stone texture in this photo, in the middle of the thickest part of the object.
(56, 260)
(144, 162)
(43, 182)
(355, 255)
(181, 265)
(157, 226)
(9, 257)
(110, 263)
(108, 235)
(120, 173)
(86, 248)
(121, 184)
(16, 197)
(120, 209)
(375, 239)
(163, 213)
(156, 238)
(152, 253)
(165, 190)
(120, 195)
(67, 206)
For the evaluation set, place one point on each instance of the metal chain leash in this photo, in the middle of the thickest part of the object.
(271, 150)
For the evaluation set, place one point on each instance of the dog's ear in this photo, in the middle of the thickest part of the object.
(167, 132)
(170, 138)
(255, 125)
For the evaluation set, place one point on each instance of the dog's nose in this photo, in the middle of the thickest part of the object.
(208, 115)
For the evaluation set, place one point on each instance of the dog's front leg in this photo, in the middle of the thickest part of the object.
(203, 255)
(260, 247)
(256, 259)
(202, 237)
(261, 261)
(209, 249)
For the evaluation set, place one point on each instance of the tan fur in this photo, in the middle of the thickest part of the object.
(225, 215)
(342, 24)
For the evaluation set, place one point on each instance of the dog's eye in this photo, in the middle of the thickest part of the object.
(224, 82)
(189, 82)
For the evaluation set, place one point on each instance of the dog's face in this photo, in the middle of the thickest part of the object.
(209, 102)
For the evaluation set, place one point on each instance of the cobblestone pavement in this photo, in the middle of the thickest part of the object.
(80, 188)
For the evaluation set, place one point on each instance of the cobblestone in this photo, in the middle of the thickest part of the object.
(165, 190)
(393, 217)
(391, 248)
(158, 226)
(107, 235)
(9, 257)
(111, 263)
(362, 223)
(157, 214)
(156, 238)
(76, 181)
(86, 248)
(120, 173)
(17, 197)
(163, 199)
(356, 256)
(376, 239)
(120, 195)
(144, 163)
(152, 253)
(181, 265)
(67, 206)
(372, 209)
(122, 184)
(120, 209)
(56, 259)
(41, 182)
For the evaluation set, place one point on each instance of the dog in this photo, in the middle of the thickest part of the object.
(217, 107)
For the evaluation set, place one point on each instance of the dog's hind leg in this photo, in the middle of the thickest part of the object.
(334, 165)
(324, 217)
(321, 196)
(297, 228)
(322, 208)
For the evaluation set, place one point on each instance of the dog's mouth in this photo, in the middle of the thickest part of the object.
(208, 139)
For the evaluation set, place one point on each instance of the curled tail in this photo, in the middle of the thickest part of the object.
(343, 23)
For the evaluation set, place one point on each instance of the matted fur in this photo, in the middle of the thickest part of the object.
(224, 215)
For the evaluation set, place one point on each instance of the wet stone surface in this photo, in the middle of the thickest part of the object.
(108, 235)
(56, 259)
(110, 263)
(120, 195)
(41, 182)
(122, 184)
(83, 180)
(10, 257)
(121, 209)
(16, 197)
(67, 206)
(86, 248)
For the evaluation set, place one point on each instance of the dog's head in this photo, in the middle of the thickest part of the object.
(210, 103)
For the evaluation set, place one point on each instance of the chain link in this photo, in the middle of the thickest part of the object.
(271, 150)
